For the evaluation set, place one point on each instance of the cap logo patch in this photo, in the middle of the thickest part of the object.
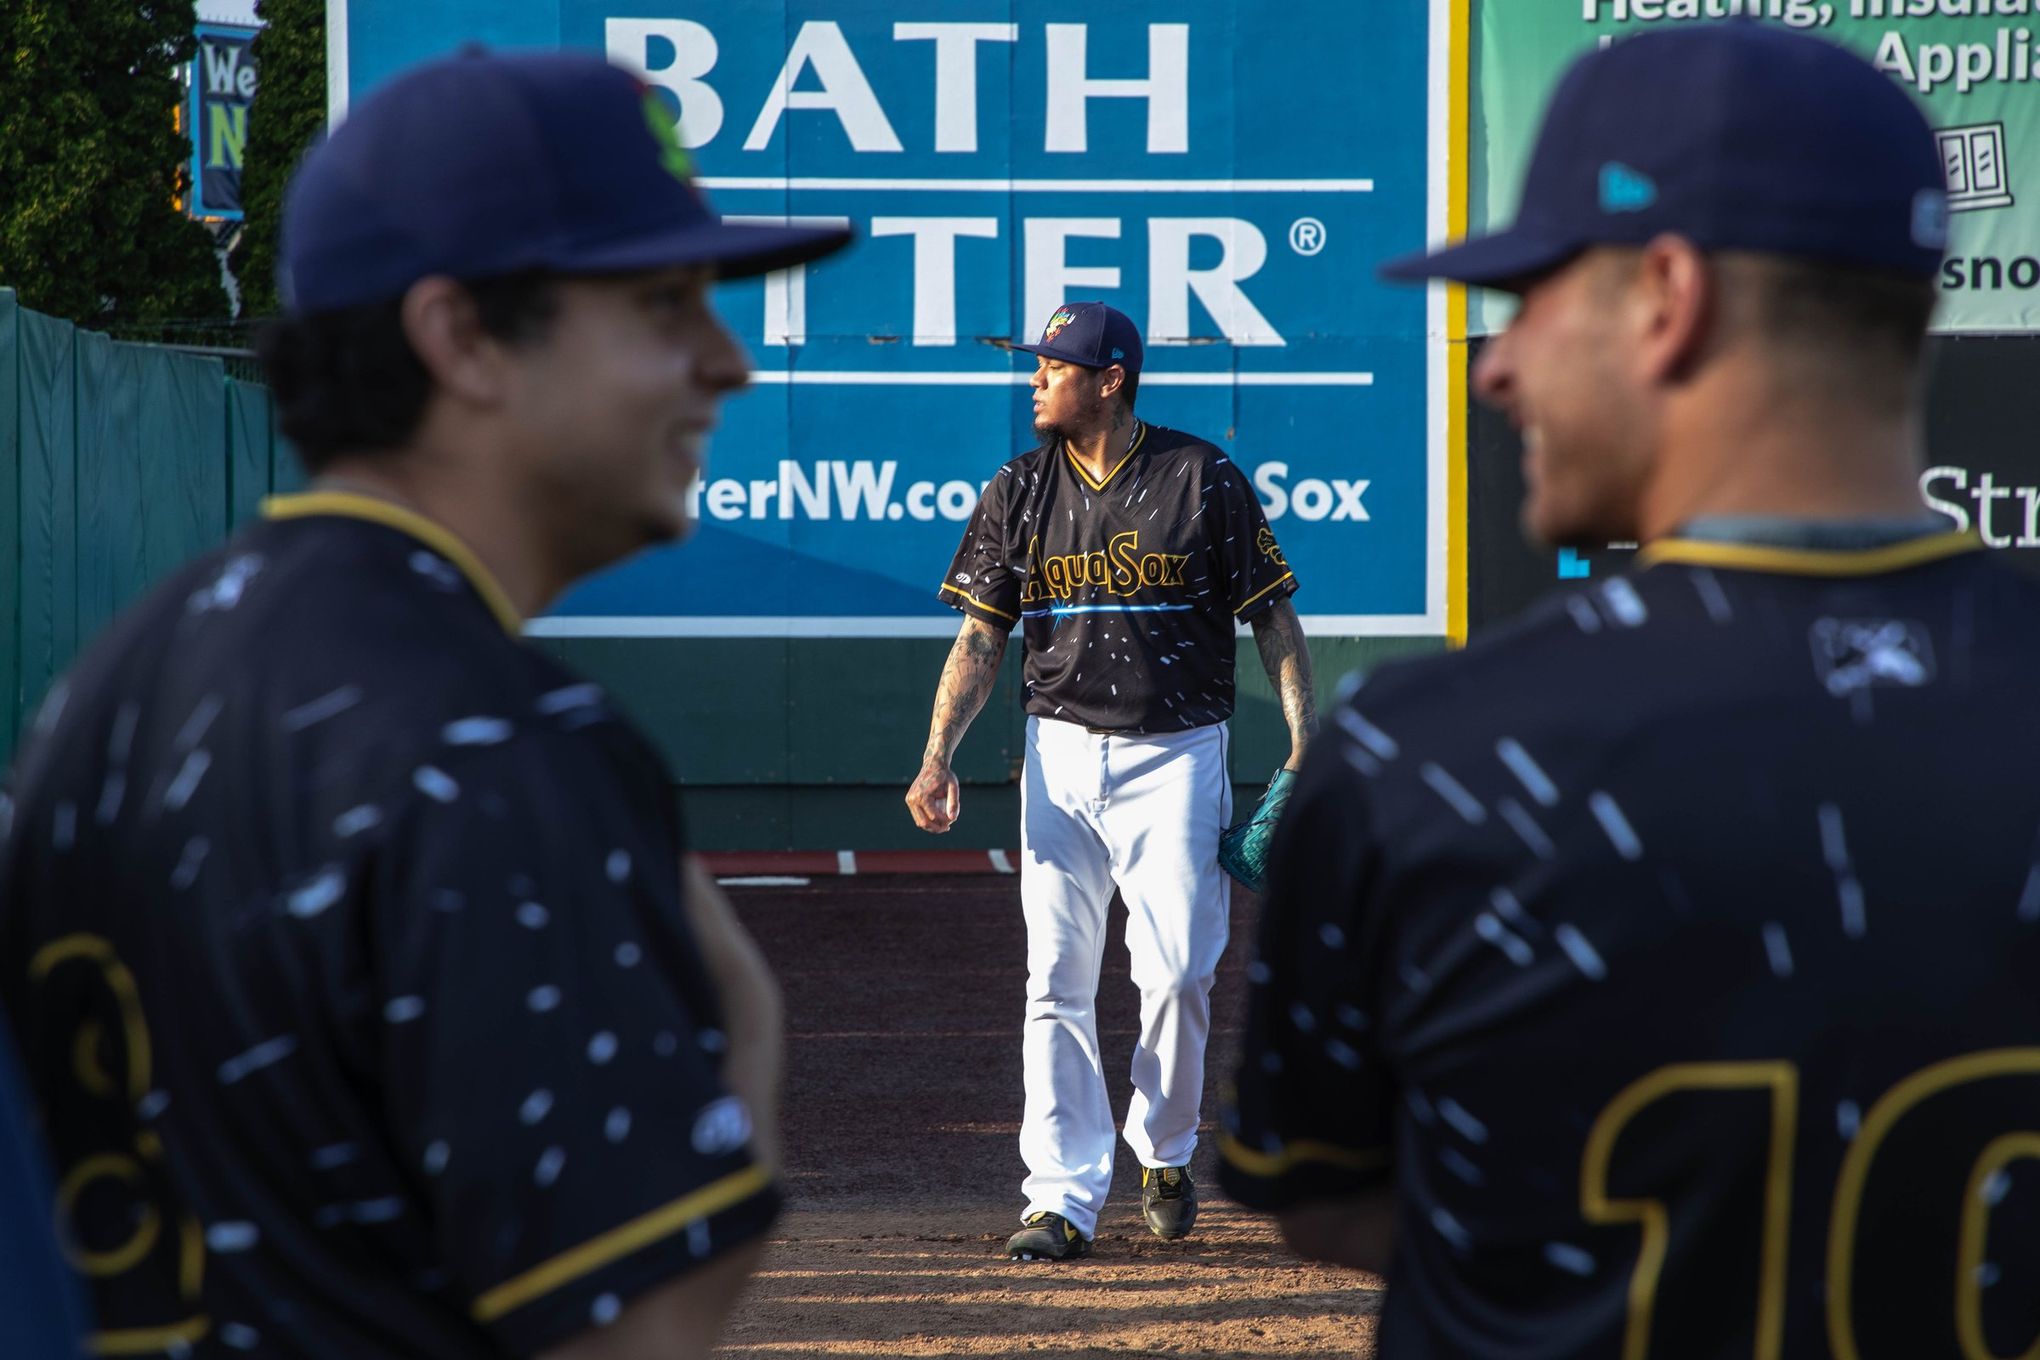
(1626, 190)
(1930, 219)
(666, 132)
(1063, 317)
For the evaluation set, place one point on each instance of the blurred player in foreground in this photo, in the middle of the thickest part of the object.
(369, 1002)
(41, 1298)
(1124, 552)
(1656, 977)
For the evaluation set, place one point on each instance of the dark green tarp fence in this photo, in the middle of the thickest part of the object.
(117, 462)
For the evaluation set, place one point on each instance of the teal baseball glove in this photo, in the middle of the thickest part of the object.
(1243, 851)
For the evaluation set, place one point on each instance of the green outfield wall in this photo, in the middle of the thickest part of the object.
(119, 461)
(809, 743)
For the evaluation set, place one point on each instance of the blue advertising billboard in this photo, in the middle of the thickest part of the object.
(1225, 172)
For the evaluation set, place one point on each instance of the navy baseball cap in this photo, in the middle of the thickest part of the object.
(1091, 334)
(492, 163)
(1737, 136)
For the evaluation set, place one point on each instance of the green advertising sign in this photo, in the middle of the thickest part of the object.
(1974, 65)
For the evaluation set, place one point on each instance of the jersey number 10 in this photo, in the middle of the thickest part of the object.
(1932, 1102)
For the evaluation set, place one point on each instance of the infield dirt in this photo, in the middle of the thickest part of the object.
(903, 1000)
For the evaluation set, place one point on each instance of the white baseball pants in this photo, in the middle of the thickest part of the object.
(1144, 813)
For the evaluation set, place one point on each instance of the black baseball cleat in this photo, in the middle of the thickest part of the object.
(1168, 1201)
(1047, 1237)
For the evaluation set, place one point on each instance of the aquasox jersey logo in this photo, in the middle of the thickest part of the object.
(1120, 569)
(1270, 549)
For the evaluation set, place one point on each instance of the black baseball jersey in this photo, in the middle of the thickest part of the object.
(1673, 952)
(343, 935)
(1127, 589)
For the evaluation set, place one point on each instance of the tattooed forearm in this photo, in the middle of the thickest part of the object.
(967, 679)
(1278, 634)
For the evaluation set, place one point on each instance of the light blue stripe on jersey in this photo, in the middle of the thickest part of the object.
(1063, 610)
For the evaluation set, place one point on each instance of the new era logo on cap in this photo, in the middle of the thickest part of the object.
(1626, 190)
(1930, 219)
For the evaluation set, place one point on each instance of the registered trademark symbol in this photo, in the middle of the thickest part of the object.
(1306, 236)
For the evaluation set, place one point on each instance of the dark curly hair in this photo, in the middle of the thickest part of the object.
(348, 381)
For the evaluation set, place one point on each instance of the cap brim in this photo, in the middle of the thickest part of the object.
(1490, 260)
(736, 250)
(1052, 352)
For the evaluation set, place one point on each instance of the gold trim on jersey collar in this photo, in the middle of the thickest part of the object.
(1140, 430)
(436, 536)
(1912, 552)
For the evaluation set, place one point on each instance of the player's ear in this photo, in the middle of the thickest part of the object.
(1110, 379)
(446, 333)
(1669, 308)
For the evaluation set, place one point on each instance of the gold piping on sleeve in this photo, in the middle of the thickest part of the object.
(1810, 561)
(433, 535)
(618, 1242)
(989, 609)
(149, 1340)
(1285, 576)
(1256, 1163)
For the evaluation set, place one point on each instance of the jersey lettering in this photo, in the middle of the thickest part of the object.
(1126, 591)
(1122, 570)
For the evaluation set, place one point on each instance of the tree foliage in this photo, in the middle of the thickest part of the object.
(288, 112)
(93, 165)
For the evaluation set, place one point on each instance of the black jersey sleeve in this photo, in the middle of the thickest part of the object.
(551, 1041)
(1309, 1117)
(1250, 561)
(984, 578)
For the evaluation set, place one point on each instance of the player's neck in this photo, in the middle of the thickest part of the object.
(1101, 450)
(484, 523)
(1804, 460)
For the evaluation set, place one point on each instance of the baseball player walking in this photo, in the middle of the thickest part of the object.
(370, 1005)
(1126, 553)
(1655, 977)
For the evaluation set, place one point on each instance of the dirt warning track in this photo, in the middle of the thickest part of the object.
(903, 998)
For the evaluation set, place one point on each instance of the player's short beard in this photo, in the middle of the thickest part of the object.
(1050, 432)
